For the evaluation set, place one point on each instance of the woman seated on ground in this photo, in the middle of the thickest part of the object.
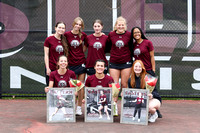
(137, 81)
(61, 76)
(99, 78)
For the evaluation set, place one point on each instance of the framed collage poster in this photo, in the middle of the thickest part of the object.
(61, 105)
(134, 106)
(98, 104)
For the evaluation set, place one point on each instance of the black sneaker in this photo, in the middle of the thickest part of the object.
(159, 114)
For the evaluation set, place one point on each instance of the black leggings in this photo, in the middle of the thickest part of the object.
(139, 112)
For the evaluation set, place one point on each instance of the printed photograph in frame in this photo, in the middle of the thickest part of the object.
(98, 104)
(61, 105)
(134, 106)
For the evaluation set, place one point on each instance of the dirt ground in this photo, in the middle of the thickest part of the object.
(29, 116)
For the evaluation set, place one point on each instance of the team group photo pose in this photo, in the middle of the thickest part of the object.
(76, 40)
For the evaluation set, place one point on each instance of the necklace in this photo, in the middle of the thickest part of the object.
(140, 41)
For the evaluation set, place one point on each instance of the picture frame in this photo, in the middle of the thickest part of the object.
(61, 105)
(94, 103)
(134, 106)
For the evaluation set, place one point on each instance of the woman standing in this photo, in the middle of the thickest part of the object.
(76, 40)
(120, 53)
(138, 72)
(96, 44)
(144, 50)
(54, 46)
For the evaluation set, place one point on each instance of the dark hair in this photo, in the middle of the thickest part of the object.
(57, 66)
(100, 60)
(63, 39)
(142, 34)
(98, 21)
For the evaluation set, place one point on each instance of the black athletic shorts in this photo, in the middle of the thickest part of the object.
(79, 69)
(121, 66)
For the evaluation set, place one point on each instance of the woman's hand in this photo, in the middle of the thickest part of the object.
(83, 101)
(150, 96)
(46, 89)
(48, 71)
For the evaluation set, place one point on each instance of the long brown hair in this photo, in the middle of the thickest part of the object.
(142, 75)
(82, 26)
(63, 39)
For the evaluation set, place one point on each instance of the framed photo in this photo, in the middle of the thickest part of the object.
(98, 104)
(134, 106)
(61, 105)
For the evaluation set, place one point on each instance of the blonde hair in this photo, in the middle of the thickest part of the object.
(120, 19)
(82, 26)
(142, 75)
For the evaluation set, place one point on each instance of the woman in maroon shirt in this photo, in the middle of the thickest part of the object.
(61, 76)
(76, 40)
(96, 44)
(54, 46)
(120, 53)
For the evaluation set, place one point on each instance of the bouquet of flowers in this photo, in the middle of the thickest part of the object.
(115, 89)
(150, 82)
(76, 83)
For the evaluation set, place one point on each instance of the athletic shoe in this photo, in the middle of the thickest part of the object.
(159, 114)
(100, 117)
(108, 118)
(133, 118)
(50, 118)
(67, 119)
(78, 110)
(153, 117)
(138, 120)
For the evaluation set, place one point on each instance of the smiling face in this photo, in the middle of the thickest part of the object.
(99, 67)
(137, 68)
(137, 34)
(60, 28)
(62, 63)
(77, 25)
(121, 26)
(97, 28)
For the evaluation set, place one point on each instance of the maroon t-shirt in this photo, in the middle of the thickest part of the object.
(76, 55)
(55, 50)
(102, 98)
(93, 81)
(142, 52)
(61, 80)
(120, 52)
(139, 100)
(96, 47)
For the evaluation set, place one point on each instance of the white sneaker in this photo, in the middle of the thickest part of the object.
(50, 118)
(153, 117)
(78, 110)
(100, 117)
(67, 119)
(138, 120)
(108, 118)
(133, 118)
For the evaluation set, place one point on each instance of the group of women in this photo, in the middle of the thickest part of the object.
(64, 59)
